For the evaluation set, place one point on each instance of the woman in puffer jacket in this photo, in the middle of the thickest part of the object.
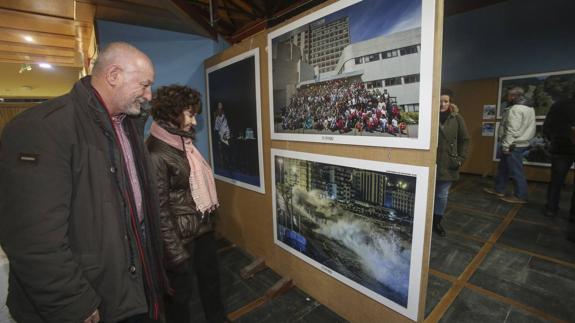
(188, 199)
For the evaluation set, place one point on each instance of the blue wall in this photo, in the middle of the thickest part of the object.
(177, 57)
(514, 37)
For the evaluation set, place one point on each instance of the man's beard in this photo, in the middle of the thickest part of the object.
(135, 108)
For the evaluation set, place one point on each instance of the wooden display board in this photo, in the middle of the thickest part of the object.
(470, 97)
(246, 217)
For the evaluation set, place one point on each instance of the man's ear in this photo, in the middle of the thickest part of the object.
(114, 75)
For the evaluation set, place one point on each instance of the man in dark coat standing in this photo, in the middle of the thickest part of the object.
(559, 128)
(78, 213)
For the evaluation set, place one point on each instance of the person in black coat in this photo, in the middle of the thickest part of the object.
(188, 201)
(78, 206)
(559, 128)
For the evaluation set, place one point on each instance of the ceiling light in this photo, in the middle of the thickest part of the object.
(28, 38)
(45, 65)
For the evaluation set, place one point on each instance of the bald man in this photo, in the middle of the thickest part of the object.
(78, 207)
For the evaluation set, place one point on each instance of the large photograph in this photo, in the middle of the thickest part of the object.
(361, 222)
(234, 113)
(542, 90)
(355, 72)
(537, 154)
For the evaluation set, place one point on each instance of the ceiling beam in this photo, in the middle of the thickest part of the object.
(186, 12)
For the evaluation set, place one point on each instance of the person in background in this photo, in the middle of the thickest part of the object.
(188, 202)
(78, 213)
(452, 150)
(222, 136)
(559, 128)
(516, 130)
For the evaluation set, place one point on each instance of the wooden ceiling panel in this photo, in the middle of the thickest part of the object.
(17, 36)
(55, 8)
(33, 22)
(37, 50)
(14, 57)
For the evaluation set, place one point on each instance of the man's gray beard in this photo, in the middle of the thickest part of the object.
(133, 111)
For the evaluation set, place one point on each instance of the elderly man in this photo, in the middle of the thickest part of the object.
(78, 214)
(517, 128)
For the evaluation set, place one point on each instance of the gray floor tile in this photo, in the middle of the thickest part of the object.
(535, 282)
(452, 254)
(473, 308)
(480, 201)
(518, 316)
(471, 223)
(539, 239)
(436, 288)
(290, 307)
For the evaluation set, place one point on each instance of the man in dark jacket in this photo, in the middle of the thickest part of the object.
(559, 128)
(78, 213)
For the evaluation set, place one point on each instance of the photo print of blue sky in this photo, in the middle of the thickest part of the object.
(354, 72)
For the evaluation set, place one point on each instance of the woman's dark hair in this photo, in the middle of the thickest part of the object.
(170, 101)
(448, 92)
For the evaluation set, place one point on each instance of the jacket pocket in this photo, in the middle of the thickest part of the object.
(454, 163)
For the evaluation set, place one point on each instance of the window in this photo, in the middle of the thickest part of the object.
(389, 54)
(373, 84)
(392, 81)
(372, 57)
(358, 60)
(411, 78)
(408, 50)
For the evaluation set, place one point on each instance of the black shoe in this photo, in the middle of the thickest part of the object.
(438, 228)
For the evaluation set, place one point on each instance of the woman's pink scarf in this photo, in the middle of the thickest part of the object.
(202, 183)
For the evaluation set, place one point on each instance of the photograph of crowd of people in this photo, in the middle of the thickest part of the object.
(234, 118)
(361, 222)
(345, 107)
(350, 73)
(541, 89)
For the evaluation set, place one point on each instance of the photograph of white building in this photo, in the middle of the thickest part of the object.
(354, 70)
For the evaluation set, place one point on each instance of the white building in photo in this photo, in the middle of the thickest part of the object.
(387, 62)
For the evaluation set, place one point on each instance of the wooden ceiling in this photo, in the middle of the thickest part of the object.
(51, 31)
(61, 32)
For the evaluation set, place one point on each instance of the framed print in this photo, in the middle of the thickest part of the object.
(354, 72)
(489, 111)
(541, 89)
(487, 129)
(360, 222)
(537, 154)
(234, 118)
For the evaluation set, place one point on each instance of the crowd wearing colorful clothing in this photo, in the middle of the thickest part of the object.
(343, 106)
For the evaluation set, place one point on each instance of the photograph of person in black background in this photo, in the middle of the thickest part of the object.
(235, 127)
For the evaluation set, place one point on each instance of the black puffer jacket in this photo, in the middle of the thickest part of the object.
(180, 221)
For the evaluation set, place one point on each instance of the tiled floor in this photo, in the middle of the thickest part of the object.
(498, 263)
(524, 268)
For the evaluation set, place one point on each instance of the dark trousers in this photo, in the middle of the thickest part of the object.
(204, 266)
(560, 165)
